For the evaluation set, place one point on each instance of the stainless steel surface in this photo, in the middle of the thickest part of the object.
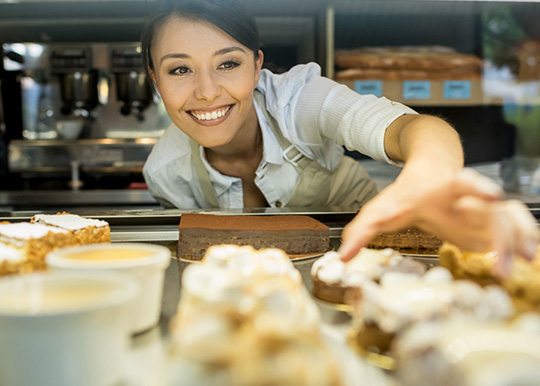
(93, 155)
(75, 200)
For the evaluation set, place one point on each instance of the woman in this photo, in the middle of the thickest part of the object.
(245, 137)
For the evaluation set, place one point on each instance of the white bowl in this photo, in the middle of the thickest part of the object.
(64, 329)
(146, 262)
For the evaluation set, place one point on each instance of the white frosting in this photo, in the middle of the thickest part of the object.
(68, 221)
(246, 280)
(18, 233)
(8, 253)
(368, 264)
(469, 354)
(395, 304)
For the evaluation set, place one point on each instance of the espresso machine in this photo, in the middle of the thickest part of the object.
(89, 115)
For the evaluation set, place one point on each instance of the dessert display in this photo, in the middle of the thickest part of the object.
(409, 241)
(470, 354)
(333, 279)
(522, 282)
(31, 243)
(386, 310)
(86, 230)
(406, 63)
(24, 245)
(296, 235)
(244, 317)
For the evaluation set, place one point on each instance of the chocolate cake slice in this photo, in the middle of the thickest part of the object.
(408, 241)
(295, 234)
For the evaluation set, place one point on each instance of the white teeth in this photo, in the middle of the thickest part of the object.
(212, 115)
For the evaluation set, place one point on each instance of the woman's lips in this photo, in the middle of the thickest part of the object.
(210, 116)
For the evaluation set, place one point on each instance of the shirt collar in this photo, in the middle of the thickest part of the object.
(272, 152)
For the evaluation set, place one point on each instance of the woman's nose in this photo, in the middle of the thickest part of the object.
(208, 87)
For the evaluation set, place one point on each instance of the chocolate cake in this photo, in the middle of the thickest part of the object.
(409, 241)
(296, 235)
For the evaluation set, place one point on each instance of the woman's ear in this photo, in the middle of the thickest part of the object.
(153, 77)
(258, 65)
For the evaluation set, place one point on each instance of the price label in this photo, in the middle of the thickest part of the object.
(457, 89)
(416, 89)
(368, 87)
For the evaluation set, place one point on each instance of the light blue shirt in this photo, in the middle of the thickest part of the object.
(317, 115)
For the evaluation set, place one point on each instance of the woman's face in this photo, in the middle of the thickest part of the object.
(206, 81)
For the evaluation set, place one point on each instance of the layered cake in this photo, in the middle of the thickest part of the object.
(27, 244)
(86, 230)
(470, 354)
(388, 309)
(410, 241)
(333, 279)
(296, 235)
(522, 281)
(245, 318)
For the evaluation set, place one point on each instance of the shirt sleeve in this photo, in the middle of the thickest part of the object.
(356, 121)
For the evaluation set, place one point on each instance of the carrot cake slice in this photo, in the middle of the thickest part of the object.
(33, 241)
(86, 230)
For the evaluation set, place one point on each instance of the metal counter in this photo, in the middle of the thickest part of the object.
(61, 200)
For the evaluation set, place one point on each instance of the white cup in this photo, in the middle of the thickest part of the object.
(146, 262)
(64, 329)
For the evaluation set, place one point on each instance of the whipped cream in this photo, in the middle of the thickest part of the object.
(368, 264)
(397, 304)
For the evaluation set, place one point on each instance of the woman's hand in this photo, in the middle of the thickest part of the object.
(465, 209)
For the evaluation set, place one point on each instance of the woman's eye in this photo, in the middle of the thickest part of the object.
(229, 65)
(182, 70)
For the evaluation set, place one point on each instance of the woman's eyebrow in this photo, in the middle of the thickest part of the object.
(174, 56)
(229, 49)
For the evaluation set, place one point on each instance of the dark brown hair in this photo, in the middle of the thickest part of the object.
(228, 15)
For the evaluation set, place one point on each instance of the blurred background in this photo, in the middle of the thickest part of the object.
(78, 114)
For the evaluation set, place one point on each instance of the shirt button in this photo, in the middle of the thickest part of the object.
(278, 204)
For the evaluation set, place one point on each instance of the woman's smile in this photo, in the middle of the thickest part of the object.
(211, 116)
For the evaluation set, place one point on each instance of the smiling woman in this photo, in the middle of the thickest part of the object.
(243, 136)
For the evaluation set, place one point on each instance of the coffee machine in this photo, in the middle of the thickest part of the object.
(89, 114)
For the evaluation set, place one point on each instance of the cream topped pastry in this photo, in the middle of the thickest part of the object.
(332, 277)
(397, 304)
(470, 354)
(245, 318)
(86, 230)
(242, 278)
(17, 234)
(32, 242)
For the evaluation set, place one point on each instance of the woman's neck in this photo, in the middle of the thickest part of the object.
(245, 148)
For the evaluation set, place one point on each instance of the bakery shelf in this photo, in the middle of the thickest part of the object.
(425, 92)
